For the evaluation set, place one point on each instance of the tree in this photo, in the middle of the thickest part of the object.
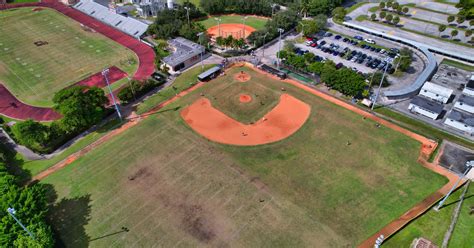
(376, 77)
(460, 19)
(309, 27)
(382, 5)
(322, 6)
(471, 23)
(404, 60)
(289, 45)
(304, 7)
(450, 18)
(389, 18)
(339, 13)
(441, 28)
(389, 4)
(454, 32)
(220, 41)
(405, 10)
(472, 39)
(373, 17)
(395, 6)
(382, 15)
(396, 20)
(309, 57)
(31, 134)
(80, 106)
(316, 68)
(468, 33)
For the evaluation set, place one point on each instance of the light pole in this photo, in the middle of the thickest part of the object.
(263, 47)
(280, 30)
(243, 27)
(380, 86)
(12, 212)
(469, 165)
(104, 73)
(400, 60)
(200, 43)
(187, 13)
(218, 26)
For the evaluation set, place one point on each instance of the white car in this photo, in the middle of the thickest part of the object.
(369, 41)
(308, 43)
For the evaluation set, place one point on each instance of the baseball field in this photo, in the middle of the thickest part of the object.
(43, 51)
(252, 21)
(333, 183)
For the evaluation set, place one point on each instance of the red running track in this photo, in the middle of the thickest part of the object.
(114, 75)
(12, 107)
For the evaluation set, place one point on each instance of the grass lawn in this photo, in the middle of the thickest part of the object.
(252, 21)
(433, 225)
(22, 1)
(458, 64)
(170, 186)
(35, 73)
(183, 82)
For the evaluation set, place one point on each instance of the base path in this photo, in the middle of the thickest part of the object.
(281, 122)
(12, 107)
(235, 30)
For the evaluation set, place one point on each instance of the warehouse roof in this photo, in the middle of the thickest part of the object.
(462, 117)
(427, 104)
(437, 89)
(469, 100)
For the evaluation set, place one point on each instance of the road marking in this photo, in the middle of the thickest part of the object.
(413, 12)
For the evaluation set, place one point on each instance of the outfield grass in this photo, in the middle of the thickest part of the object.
(34, 74)
(170, 186)
(433, 225)
(252, 21)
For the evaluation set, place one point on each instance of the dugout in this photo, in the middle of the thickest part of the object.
(273, 71)
(210, 74)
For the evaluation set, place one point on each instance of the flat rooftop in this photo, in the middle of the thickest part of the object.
(184, 50)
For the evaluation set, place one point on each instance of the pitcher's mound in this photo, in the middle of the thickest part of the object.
(244, 98)
(242, 76)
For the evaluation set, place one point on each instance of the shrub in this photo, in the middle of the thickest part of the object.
(137, 89)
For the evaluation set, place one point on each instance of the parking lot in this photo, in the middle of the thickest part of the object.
(351, 52)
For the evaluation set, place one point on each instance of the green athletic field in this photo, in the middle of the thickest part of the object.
(171, 187)
(34, 73)
(252, 21)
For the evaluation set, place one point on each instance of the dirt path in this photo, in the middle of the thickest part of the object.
(282, 121)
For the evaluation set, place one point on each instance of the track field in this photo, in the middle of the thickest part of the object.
(69, 54)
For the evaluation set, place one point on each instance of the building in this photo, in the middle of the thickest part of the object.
(436, 92)
(210, 74)
(185, 54)
(425, 107)
(465, 103)
(3, 1)
(461, 121)
(148, 8)
(469, 89)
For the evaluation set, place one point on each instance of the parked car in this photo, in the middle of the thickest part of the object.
(337, 37)
(345, 39)
(308, 43)
(395, 50)
(323, 42)
(370, 41)
(372, 49)
(378, 50)
(327, 34)
(314, 44)
(339, 66)
(358, 37)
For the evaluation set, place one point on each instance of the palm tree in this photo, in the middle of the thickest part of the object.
(405, 10)
(373, 16)
(382, 5)
(396, 20)
(468, 33)
(382, 15)
(450, 18)
(460, 19)
(304, 8)
(389, 18)
(471, 23)
(441, 29)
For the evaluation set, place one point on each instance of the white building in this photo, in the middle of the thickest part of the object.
(465, 103)
(425, 107)
(185, 54)
(469, 89)
(436, 92)
(461, 121)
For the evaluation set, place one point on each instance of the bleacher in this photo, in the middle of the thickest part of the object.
(127, 25)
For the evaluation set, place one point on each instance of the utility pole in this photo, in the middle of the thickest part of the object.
(469, 165)
(200, 43)
(280, 30)
(218, 26)
(380, 86)
(104, 73)
(243, 28)
(12, 212)
(263, 47)
(187, 13)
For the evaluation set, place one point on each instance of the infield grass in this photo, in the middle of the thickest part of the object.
(252, 21)
(171, 187)
(35, 73)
